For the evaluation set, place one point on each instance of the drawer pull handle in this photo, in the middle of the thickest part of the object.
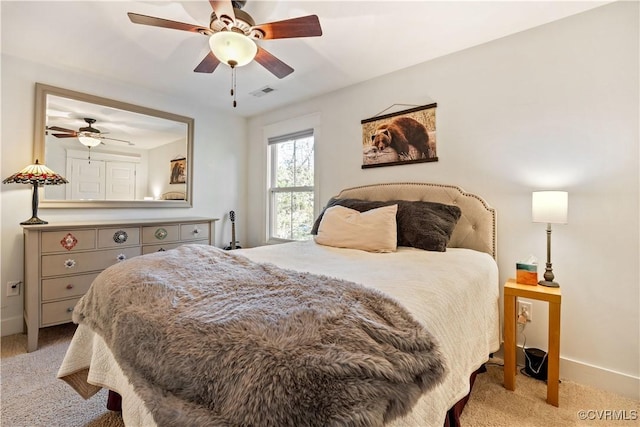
(196, 231)
(120, 236)
(69, 263)
(121, 257)
(70, 310)
(69, 241)
(69, 286)
(161, 250)
(161, 233)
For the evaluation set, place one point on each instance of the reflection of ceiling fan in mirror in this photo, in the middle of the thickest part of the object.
(232, 34)
(88, 135)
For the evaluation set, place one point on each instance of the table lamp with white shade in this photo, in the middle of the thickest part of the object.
(549, 207)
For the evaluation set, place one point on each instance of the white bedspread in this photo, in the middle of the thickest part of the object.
(454, 294)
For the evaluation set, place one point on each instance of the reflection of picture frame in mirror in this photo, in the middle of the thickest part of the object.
(178, 171)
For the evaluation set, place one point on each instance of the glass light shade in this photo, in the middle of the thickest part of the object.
(550, 206)
(36, 174)
(231, 47)
(87, 139)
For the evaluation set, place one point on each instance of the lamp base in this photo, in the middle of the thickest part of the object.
(548, 284)
(33, 220)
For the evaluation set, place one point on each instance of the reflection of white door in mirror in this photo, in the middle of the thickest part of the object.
(87, 180)
(101, 180)
(105, 177)
(148, 138)
(121, 181)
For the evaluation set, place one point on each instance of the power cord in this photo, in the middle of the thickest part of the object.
(522, 325)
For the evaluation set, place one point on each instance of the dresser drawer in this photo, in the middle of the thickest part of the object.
(67, 241)
(194, 231)
(158, 234)
(56, 265)
(66, 287)
(57, 312)
(147, 249)
(118, 237)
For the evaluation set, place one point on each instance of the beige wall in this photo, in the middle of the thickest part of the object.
(554, 107)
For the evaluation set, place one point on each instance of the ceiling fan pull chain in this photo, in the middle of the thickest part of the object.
(233, 73)
(233, 85)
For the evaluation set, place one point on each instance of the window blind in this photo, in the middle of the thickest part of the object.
(290, 136)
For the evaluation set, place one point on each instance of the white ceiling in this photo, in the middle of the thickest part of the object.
(361, 40)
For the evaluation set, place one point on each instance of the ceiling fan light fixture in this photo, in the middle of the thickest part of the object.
(233, 48)
(87, 139)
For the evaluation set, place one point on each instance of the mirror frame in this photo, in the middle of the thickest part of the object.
(39, 148)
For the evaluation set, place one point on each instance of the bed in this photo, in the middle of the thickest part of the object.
(449, 297)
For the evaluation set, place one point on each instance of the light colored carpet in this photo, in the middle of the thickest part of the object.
(33, 397)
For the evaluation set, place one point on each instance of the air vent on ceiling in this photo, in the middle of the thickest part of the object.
(262, 91)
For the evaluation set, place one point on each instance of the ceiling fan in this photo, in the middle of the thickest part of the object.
(87, 135)
(232, 34)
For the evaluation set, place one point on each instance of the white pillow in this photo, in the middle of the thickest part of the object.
(374, 230)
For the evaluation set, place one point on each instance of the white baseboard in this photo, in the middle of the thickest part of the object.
(602, 378)
(12, 325)
(594, 376)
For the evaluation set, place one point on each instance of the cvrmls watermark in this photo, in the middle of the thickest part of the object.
(608, 414)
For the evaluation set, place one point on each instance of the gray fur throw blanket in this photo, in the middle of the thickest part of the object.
(209, 338)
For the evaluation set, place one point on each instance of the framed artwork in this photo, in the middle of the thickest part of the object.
(178, 171)
(400, 138)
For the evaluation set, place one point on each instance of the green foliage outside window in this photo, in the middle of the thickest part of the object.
(292, 190)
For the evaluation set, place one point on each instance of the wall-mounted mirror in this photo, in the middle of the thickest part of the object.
(113, 154)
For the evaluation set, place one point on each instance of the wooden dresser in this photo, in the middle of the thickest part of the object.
(61, 260)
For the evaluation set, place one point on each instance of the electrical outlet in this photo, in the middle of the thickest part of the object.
(525, 308)
(13, 288)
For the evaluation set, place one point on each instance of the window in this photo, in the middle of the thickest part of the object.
(291, 187)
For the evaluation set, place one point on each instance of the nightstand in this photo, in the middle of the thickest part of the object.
(553, 296)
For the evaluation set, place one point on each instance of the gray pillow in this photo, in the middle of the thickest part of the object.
(422, 225)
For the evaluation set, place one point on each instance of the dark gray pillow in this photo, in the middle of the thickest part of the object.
(422, 225)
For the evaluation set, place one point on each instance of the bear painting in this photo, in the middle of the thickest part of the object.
(399, 134)
(407, 136)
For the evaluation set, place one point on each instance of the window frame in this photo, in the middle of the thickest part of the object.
(273, 129)
(273, 190)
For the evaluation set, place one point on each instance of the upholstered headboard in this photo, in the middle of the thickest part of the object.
(476, 228)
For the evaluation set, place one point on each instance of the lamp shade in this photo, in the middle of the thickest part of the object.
(233, 48)
(36, 174)
(87, 139)
(550, 206)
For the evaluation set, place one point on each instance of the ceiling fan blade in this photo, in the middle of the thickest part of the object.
(223, 10)
(208, 64)
(165, 23)
(64, 135)
(273, 64)
(117, 140)
(59, 129)
(305, 26)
